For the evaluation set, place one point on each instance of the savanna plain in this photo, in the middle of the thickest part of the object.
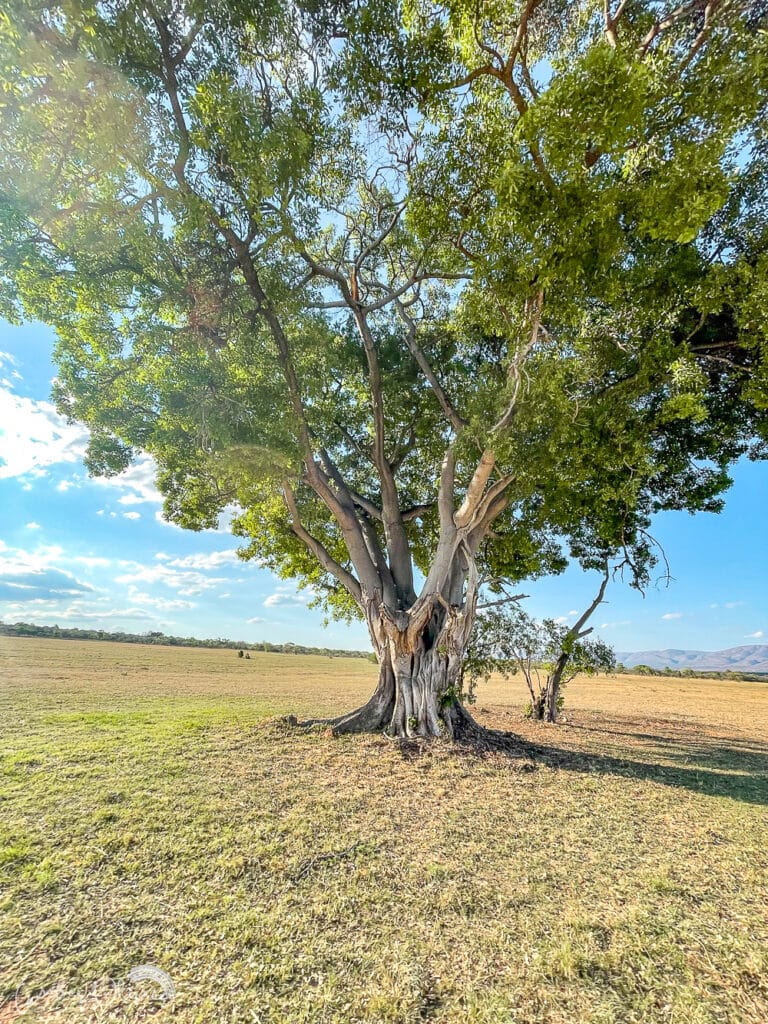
(154, 809)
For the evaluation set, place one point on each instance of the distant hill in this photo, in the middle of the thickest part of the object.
(751, 658)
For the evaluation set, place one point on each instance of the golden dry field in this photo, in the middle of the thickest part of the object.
(154, 810)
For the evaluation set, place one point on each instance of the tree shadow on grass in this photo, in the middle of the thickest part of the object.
(680, 754)
(741, 782)
(714, 770)
(690, 745)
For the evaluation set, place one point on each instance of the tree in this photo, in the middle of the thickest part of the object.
(549, 654)
(432, 294)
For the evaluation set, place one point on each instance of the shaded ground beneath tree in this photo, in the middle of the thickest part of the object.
(671, 752)
(154, 810)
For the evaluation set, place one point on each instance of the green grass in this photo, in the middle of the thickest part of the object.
(153, 811)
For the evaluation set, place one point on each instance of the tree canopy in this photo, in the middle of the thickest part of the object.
(433, 293)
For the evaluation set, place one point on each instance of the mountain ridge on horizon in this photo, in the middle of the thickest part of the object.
(745, 658)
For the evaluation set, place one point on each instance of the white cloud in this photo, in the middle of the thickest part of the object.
(7, 358)
(29, 578)
(165, 522)
(35, 436)
(77, 611)
(615, 625)
(255, 620)
(32, 526)
(187, 583)
(161, 603)
(758, 635)
(65, 485)
(672, 615)
(212, 560)
(287, 596)
(572, 613)
(18, 560)
(561, 620)
(137, 481)
(131, 515)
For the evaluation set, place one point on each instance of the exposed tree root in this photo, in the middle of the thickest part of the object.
(461, 730)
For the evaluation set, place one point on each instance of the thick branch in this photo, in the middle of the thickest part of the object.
(476, 488)
(416, 511)
(423, 363)
(446, 489)
(347, 580)
(398, 548)
(522, 30)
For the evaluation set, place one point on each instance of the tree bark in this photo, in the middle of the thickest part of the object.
(544, 703)
(418, 693)
(418, 696)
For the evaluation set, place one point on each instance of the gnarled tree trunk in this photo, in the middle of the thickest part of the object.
(420, 669)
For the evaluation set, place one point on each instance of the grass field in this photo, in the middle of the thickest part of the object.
(153, 811)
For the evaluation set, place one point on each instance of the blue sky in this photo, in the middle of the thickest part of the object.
(97, 553)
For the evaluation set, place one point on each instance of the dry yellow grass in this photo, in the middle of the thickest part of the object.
(152, 811)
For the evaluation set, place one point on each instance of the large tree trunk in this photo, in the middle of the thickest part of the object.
(419, 687)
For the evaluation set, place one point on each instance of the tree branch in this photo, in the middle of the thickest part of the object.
(347, 580)
(575, 630)
(398, 547)
(473, 497)
(449, 411)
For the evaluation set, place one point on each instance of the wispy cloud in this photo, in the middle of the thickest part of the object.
(255, 620)
(131, 515)
(39, 583)
(285, 596)
(186, 582)
(36, 436)
(211, 560)
(672, 615)
(137, 482)
(161, 603)
(77, 611)
(757, 635)
(47, 611)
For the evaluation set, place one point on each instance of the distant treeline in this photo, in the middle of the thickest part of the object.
(160, 639)
(692, 673)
